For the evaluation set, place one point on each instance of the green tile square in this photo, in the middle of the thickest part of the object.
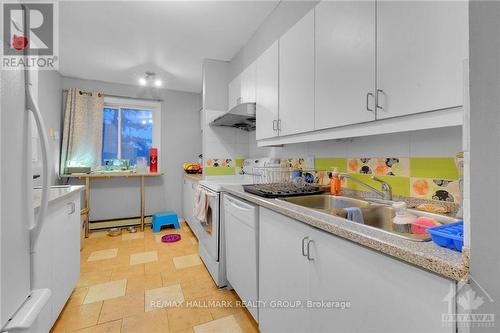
(327, 164)
(219, 171)
(433, 167)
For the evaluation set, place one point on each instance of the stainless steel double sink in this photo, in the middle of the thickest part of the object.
(377, 214)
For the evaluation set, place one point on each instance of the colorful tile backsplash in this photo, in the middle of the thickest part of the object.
(380, 166)
(433, 178)
(219, 167)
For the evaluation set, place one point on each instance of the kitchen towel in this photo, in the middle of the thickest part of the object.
(355, 214)
(200, 204)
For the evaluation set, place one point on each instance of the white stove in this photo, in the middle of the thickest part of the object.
(211, 232)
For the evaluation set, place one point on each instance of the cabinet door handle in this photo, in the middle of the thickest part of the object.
(279, 125)
(72, 208)
(309, 250)
(377, 104)
(304, 246)
(368, 101)
(275, 125)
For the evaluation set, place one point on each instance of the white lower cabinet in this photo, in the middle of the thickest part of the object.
(379, 293)
(188, 189)
(56, 258)
(283, 273)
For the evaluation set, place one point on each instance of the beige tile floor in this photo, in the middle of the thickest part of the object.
(134, 283)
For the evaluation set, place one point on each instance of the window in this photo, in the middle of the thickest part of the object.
(129, 129)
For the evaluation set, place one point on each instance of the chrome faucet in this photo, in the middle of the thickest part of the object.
(385, 193)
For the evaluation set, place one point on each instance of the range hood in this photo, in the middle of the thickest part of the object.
(241, 116)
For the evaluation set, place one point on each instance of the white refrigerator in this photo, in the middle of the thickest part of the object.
(20, 304)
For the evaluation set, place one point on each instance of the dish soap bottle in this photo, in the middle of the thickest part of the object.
(403, 219)
(335, 183)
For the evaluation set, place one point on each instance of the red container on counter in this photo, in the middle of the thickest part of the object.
(153, 159)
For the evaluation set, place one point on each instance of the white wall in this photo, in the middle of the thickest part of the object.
(214, 84)
(223, 142)
(484, 24)
(49, 100)
(180, 142)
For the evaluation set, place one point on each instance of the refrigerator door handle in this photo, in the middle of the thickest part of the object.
(31, 105)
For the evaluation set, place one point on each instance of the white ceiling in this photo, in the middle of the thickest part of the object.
(117, 41)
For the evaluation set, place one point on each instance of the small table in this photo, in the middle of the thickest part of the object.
(108, 175)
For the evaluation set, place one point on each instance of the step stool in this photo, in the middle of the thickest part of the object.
(164, 218)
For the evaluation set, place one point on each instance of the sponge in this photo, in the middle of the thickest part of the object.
(419, 226)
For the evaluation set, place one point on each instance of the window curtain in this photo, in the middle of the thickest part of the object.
(82, 129)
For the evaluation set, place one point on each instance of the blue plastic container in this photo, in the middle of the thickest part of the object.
(448, 235)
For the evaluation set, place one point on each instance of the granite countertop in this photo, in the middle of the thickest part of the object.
(56, 194)
(427, 255)
(196, 177)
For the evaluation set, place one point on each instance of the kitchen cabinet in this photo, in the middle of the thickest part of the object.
(267, 78)
(242, 88)
(56, 258)
(379, 293)
(296, 77)
(189, 187)
(241, 235)
(234, 92)
(248, 84)
(350, 69)
(283, 273)
(421, 46)
(345, 63)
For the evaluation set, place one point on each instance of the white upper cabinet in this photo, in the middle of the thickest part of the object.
(248, 84)
(242, 88)
(421, 46)
(267, 93)
(345, 63)
(296, 77)
(234, 92)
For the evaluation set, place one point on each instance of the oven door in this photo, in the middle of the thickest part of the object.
(209, 235)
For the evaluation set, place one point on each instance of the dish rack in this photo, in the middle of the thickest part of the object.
(274, 182)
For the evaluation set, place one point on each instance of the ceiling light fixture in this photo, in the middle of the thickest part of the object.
(149, 79)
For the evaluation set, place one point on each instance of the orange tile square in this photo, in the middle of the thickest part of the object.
(78, 317)
(138, 284)
(121, 307)
(183, 318)
(150, 322)
(126, 272)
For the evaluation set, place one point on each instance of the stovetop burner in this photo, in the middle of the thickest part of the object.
(281, 190)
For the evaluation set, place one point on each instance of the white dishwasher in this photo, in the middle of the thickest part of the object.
(242, 243)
